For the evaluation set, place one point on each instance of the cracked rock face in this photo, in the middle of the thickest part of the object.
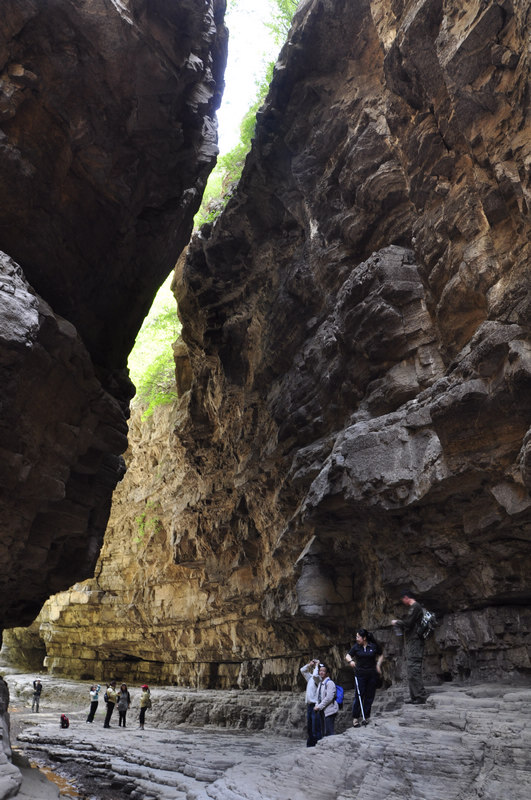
(107, 136)
(355, 410)
(61, 434)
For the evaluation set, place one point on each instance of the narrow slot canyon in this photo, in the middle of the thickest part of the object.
(348, 412)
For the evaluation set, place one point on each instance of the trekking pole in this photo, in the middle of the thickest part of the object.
(364, 721)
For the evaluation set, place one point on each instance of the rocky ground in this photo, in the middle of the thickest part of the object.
(468, 742)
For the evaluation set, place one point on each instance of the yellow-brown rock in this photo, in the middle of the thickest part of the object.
(357, 327)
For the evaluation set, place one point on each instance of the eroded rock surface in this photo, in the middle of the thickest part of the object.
(107, 136)
(61, 434)
(358, 329)
(355, 374)
(10, 778)
(469, 741)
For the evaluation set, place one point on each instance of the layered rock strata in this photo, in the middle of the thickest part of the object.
(467, 742)
(107, 136)
(355, 413)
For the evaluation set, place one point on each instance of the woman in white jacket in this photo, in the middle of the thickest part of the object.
(326, 701)
(310, 673)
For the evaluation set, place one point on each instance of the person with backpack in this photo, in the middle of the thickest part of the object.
(326, 701)
(145, 703)
(414, 648)
(310, 673)
(365, 657)
(111, 702)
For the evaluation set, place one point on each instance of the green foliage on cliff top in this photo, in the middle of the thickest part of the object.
(228, 169)
(283, 11)
(151, 364)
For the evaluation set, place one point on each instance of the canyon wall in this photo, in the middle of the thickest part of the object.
(354, 375)
(107, 137)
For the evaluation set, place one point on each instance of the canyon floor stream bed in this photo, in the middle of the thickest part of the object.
(466, 743)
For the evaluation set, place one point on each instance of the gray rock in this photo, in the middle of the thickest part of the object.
(468, 741)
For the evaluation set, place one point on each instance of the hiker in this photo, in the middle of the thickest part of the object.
(37, 690)
(124, 701)
(310, 673)
(365, 657)
(111, 698)
(145, 703)
(414, 648)
(326, 701)
(94, 693)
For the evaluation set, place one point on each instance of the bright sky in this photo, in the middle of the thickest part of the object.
(251, 48)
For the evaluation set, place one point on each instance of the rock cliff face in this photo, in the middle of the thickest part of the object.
(107, 136)
(355, 374)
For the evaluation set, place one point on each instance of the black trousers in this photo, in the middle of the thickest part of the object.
(313, 725)
(108, 715)
(93, 707)
(414, 656)
(367, 685)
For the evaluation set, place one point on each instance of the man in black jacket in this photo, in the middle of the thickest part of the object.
(414, 648)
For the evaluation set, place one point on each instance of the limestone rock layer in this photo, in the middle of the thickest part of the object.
(355, 420)
(107, 136)
(468, 741)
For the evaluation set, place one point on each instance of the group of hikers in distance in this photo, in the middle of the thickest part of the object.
(120, 698)
(113, 697)
(324, 698)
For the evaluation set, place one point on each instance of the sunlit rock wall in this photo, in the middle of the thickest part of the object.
(356, 415)
(107, 137)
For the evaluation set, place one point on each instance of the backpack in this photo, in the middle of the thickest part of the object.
(65, 722)
(427, 624)
(339, 695)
